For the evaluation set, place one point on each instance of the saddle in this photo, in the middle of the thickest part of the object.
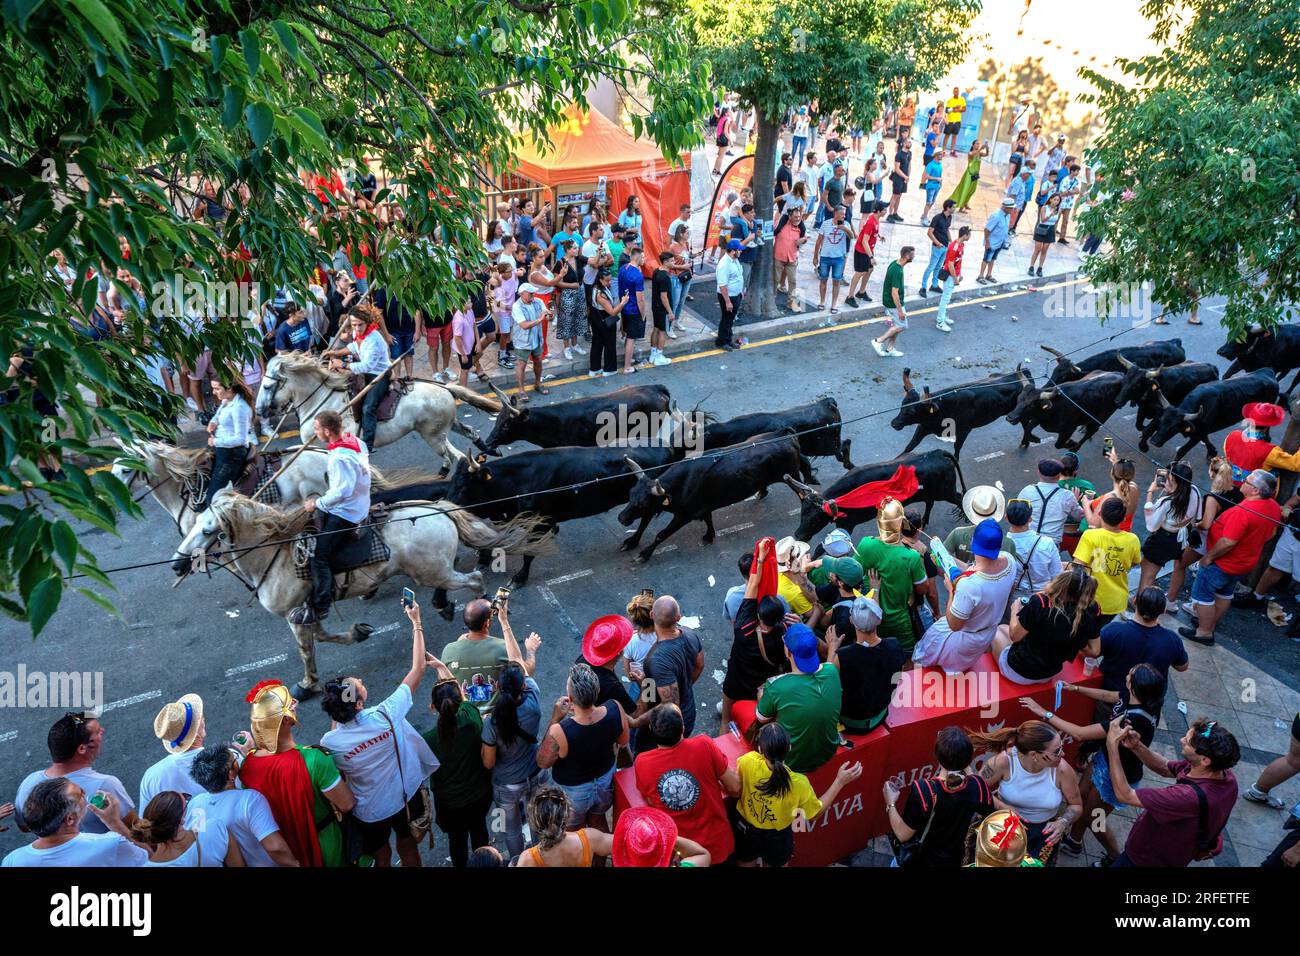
(388, 404)
(259, 467)
(364, 546)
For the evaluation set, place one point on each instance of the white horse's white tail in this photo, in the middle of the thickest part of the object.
(524, 534)
(471, 397)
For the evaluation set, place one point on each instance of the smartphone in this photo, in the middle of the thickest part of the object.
(408, 597)
(502, 594)
(648, 592)
(1162, 474)
(1107, 446)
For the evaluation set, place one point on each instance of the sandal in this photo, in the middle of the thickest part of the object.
(1160, 322)
(541, 390)
(523, 398)
(629, 371)
(1192, 322)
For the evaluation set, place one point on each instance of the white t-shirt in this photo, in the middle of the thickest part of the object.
(89, 780)
(677, 224)
(639, 647)
(244, 813)
(1044, 559)
(1055, 504)
(170, 773)
(363, 751)
(209, 849)
(85, 849)
(980, 599)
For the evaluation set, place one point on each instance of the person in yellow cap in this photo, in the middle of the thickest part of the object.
(179, 727)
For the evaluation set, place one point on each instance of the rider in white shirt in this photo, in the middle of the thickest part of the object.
(370, 354)
(230, 435)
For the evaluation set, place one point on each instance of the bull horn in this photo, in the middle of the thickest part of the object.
(1119, 357)
(907, 380)
(798, 487)
(1164, 402)
(636, 469)
(927, 393)
(1154, 373)
(1047, 348)
(1193, 415)
(658, 490)
(1048, 393)
(1025, 380)
(471, 464)
(506, 404)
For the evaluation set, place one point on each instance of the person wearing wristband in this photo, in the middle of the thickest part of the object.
(939, 808)
(1146, 689)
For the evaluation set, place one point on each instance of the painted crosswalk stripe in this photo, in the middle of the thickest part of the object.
(256, 665)
(794, 511)
(990, 456)
(8, 735)
(735, 528)
(128, 701)
(568, 577)
(554, 604)
(385, 629)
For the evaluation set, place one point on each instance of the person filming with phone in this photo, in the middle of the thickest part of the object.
(476, 658)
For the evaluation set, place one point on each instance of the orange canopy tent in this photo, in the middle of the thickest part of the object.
(586, 146)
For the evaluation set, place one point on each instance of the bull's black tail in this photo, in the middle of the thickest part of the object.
(957, 513)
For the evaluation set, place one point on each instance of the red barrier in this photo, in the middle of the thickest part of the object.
(925, 701)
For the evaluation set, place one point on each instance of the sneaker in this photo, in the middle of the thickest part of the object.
(1039, 273)
(936, 288)
(1102, 863)
(851, 302)
(579, 350)
(880, 349)
(661, 359)
(1248, 600)
(1071, 846)
(568, 353)
(672, 333)
(608, 374)
(895, 353)
(189, 403)
(866, 298)
(1256, 795)
(943, 326)
(925, 220)
(1031, 270)
(922, 293)
(593, 374)
(1189, 634)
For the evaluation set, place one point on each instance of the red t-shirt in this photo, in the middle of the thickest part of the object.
(952, 261)
(684, 782)
(1164, 834)
(1251, 524)
(870, 231)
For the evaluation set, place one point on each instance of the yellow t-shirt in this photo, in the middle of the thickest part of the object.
(772, 813)
(954, 107)
(1109, 555)
(793, 596)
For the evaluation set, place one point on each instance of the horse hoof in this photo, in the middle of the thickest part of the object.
(361, 632)
(370, 596)
(446, 613)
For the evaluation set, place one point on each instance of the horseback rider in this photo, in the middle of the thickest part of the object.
(345, 505)
(230, 434)
(370, 347)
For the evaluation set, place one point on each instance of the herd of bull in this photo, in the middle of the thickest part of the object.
(574, 473)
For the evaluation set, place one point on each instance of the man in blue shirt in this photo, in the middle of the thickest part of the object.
(524, 230)
(293, 334)
(742, 228)
(996, 230)
(631, 282)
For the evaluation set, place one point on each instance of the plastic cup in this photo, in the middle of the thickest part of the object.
(1090, 665)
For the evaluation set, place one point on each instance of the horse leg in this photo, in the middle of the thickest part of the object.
(305, 635)
(484, 559)
(457, 581)
(444, 607)
(521, 576)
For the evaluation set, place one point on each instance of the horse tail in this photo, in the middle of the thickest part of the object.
(471, 397)
(398, 478)
(524, 534)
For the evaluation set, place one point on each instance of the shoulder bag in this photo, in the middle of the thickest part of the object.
(421, 824)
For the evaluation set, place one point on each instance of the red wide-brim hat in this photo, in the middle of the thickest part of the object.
(644, 837)
(605, 638)
(1264, 414)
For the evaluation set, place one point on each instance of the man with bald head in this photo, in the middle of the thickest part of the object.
(476, 658)
(674, 664)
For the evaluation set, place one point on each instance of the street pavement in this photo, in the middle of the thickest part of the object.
(203, 637)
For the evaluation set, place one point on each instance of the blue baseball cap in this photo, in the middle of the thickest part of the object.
(987, 540)
(733, 244)
(801, 642)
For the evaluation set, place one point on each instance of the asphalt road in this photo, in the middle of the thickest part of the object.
(203, 637)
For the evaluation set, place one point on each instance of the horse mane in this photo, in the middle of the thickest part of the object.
(264, 520)
(308, 364)
(181, 464)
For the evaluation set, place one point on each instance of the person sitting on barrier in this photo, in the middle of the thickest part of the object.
(792, 583)
(774, 799)
(1146, 689)
(806, 701)
(835, 598)
(902, 573)
(913, 528)
(549, 813)
(976, 602)
(1048, 629)
(940, 808)
(1037, 556)
(688, 777)
(1031, 777)
(757, 646)
(868, 666)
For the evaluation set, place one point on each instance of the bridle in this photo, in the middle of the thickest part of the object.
(223, 535)
(277, 381)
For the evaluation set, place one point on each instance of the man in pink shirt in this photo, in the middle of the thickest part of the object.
(787, 240)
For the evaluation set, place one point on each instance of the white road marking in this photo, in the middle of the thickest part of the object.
(256, 665)
(548, 596)
(568, 577)
(735, 528)
(8, 735)
(990, 456)
(794, 511)
(693, 622)
(128, 701)
(386, 628)
(666, 548)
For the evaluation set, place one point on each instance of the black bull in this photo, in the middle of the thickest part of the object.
(1151, 390)
(816, 424)
(938, 476)
(1067, 407)
(692, 489)
(1211, 407)
(579, 421)
(1277, 348)
(1147, 355)
(957, 411)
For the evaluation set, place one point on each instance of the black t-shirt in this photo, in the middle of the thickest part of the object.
(784, 181)
(867, 677)
(396, 317)
(945, 843)
(611, 688)
(1049, 644)
(673, 662)
(746, 668)
(478, 297)
(941, 224)
(904, 160)
(1145, 724)
(661, 284)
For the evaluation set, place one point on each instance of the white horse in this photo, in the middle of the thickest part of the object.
(261, 549)
(174, 477)
(299, 382)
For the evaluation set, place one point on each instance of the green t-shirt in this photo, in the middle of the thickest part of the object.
(477, 665)
(1083, 485)
(324, 774)
(616, 250)
(893, 280)
(461, 780)
(808, 707)
(959, 539)
(901, 569)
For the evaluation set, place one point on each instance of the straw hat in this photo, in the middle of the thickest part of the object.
(179, 723)
(983, 501)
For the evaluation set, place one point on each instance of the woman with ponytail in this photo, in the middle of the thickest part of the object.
(939, 809)
(1140, 710)
(509, 750)
(1030, 776)
(162, 830)
(549, 811)
(772, 797)
(462, 786)
(1050, 628)
(1123, 487)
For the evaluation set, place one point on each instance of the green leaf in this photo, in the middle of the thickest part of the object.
(251, 47)
(287, 40)
(65, 545)
(260, 121)
(102, 20)
(232, 106)
(219, 45)
(100, 600)
(43, 602)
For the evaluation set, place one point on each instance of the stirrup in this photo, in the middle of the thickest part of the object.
(306, 614)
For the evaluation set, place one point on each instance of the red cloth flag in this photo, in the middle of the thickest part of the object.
(900, 486)
(767, 582)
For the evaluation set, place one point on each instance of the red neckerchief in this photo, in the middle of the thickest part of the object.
(347, 441)
(370, 328)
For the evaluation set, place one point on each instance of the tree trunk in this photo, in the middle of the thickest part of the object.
(1285, 485)
(760, 297)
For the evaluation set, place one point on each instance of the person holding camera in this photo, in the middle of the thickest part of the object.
(476, 658)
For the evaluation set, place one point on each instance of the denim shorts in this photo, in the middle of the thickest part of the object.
(402, 343)
(1212, 583)
(990, 255)
(931, 192)
(596, 796)
(828, 267)
(1101, 778)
